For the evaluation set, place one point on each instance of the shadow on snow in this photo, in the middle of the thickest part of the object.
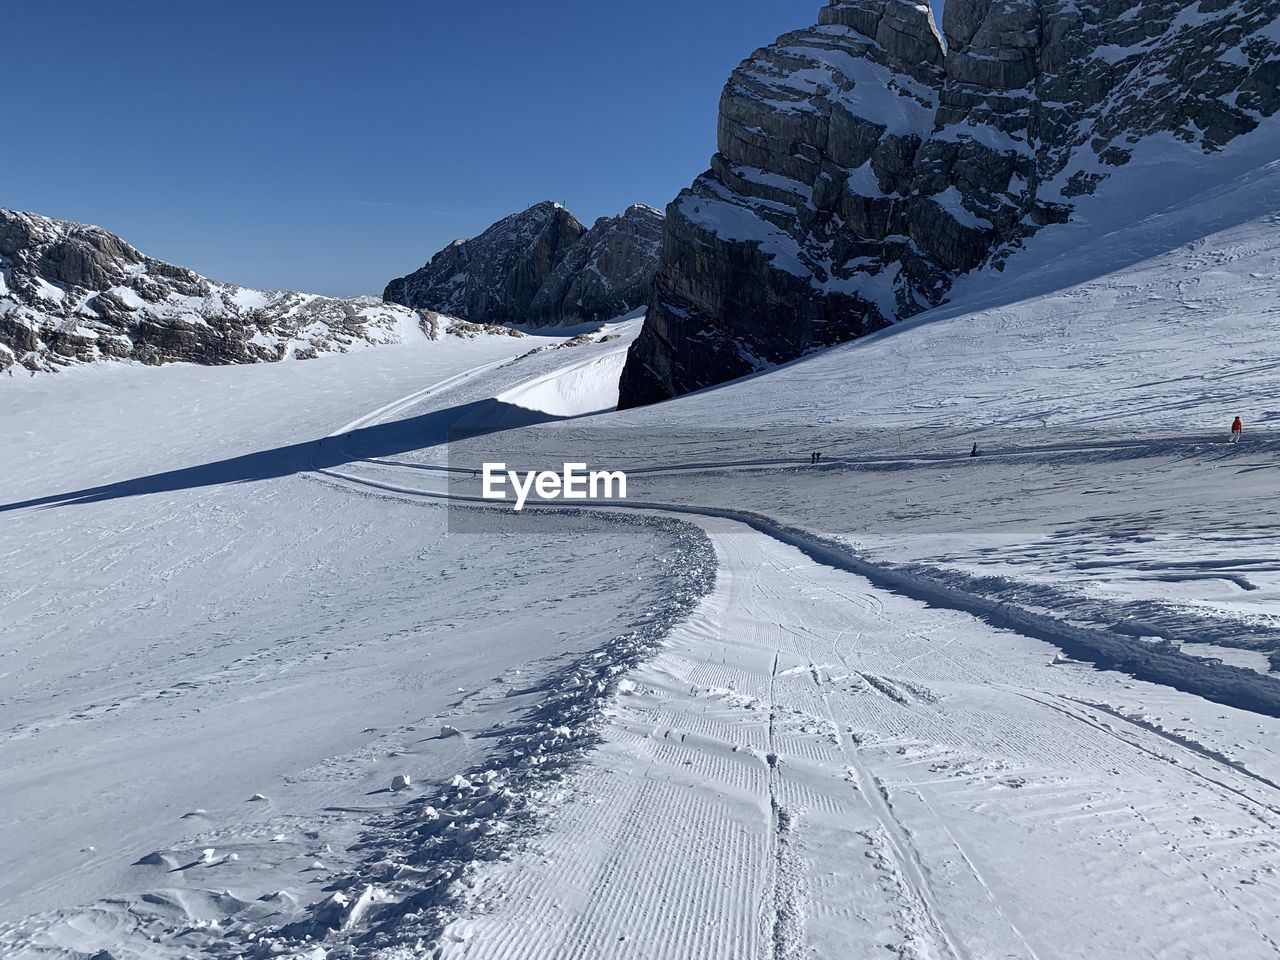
(433, 429)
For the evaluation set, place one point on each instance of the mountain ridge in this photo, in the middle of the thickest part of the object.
(540, 267)
(75, 293)
(863, 165)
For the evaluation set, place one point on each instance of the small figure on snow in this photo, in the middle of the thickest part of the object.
(974, 451)
(1237, 428)
(817, 457)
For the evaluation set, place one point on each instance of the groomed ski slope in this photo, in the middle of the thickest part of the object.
(837, 750)
(241, 658)
(822, 765)
(814, 767)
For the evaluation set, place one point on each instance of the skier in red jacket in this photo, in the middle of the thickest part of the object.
(1237, 428)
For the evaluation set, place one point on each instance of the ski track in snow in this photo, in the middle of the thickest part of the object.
(238, 688)
(1073, 776)
(773, 789)
(692, 777)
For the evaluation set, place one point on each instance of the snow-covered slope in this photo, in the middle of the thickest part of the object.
(903, 701)
(1168, 322)
(863, 165)
(882, 730)
(218, 623)
(71, 293)
(887, 729)
(578, 389)
(1099, 383)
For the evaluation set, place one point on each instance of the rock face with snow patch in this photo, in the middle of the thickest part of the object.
(863, 164)
(71, 293)
(541, 267)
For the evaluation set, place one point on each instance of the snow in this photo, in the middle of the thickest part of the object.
(398, 326)
(951, 201)
(878, 288)
(862, 181)
(775, 181)
(899, 104)
(195, 646)
(47, 291)
(579, 389)
(128, 297)
(730, 220)
(247, 300)
(989, 136)
(895, 718)
(902, 702)
(876, 775)
(1112, 54)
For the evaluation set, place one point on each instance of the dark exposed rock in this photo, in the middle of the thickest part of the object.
(863, 164)
(541, 268)
(607, 273)
(493, 278)
(71, 293)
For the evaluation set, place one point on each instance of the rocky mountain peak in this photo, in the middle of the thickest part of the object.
(541, 267)
(863, 165)
(494, 277)
(72, 293)
(73, 254)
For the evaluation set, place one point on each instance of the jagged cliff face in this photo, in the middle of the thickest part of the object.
(494, 277)
(541, 267)
(607, 273)
(71, 293)
(863, 164)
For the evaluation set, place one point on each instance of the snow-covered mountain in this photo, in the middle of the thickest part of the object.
(866, 162)
(278, 681)
(71, 293)
(902, 701)
(906, 701)
(541, 267)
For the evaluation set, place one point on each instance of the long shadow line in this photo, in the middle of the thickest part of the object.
(437, 428)
(487, 417)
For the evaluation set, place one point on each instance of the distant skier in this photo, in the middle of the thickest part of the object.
(974, 451)
(1237, 428)
(817, 457)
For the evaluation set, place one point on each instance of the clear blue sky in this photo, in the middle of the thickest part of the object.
(330, 146)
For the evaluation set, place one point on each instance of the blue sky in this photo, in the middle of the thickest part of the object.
(330, 146)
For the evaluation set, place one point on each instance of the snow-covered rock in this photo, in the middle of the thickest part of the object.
(71, 293)
(541, 267)
(864, 164)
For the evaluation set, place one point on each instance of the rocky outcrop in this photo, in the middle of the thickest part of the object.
(863, 163)
(607, 273)
(71, 293)
(541, 267)
(494, 277)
